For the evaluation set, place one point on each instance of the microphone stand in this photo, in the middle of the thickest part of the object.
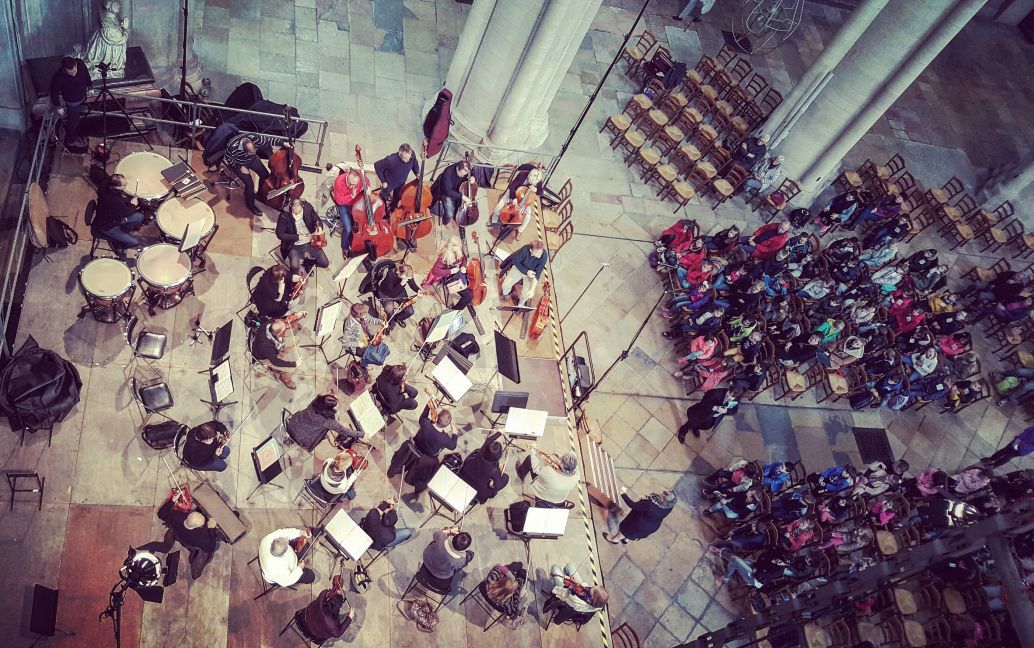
(603, 265)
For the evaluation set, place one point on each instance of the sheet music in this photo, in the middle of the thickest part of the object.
(452, 381)
(348, 535)
(365, 414)
(546, 521)
(192, 235)
(349, 268)
(526, 422)
(268, 453)
(451, 490)
(326, 318)
(222, 381)
(441, 326)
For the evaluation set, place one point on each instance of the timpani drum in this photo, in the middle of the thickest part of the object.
(107, 285)
(165, 275)
(143, 173)
(175, 214)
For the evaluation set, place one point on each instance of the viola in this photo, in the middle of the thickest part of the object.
(516, 215)
(476, 276)
(541, 316)
(377, 339)
(319, 239)
(468, 212)
(283, 173)
(575, 586)
(412, 218)
(369, 212)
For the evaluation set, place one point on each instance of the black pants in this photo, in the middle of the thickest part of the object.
(245, 178)
(198, 558)
(1003, 456)
(298, 253)
(446, 208)
(403, 458)
(464, 297)
(73, 115)
(391, 197)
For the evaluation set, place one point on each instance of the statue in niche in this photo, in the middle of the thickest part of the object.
(108, 43)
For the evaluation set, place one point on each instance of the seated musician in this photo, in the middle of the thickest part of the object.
(445, 191)
(450, 270)
(347, 190)
(526, 175)
(117, 216)
(434, 436)
(272, 293)
(206, 447)
(279, 560)
(192, 530)
(571, 597)
(340, 473)
(240, 155)
(393, 171)
(379, 523)
(393, 391)
(524, 266)
(309, 426)
(552, 477)
(390, 290)
(268, 346)
(322, 620)
(295, 228)
(503, 588)
(359, 330)
(483, 469)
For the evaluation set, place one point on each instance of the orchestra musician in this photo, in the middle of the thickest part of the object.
(117, 217)
(526, 175)
(450, 269)
(271, 296)
(572, 597)
(524, 266)
(309, 426)
(389, 289)
(242, 153)
(552, 477)
(347, 189)
(437, 434)
(393, 391)
(205, 447)
(483, 469)
(359, 330)
(445, 191)
(295, 227)
(269, 347)
(393, 171)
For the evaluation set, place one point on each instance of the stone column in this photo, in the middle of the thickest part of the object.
(508, 64)
(1009, 184)
(157, 27)
(888, 57)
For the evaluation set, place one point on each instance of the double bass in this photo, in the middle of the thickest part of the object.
(476, 275)
(412, 218)
(541, 316)
(368, 214)
(468, 213)
(283, 184)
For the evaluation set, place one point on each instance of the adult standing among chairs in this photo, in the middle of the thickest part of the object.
(206, 447)
(279, 558)
(295, 227)
(70, 85)
(379, 523)
(393, 171)
(644, 517)
(695, 9)
(552, 478)
(118, 216)
(708, 413)
(347, 189)
(1020, 446)
(309, 426)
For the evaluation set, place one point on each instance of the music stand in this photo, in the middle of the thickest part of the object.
(506, 361)
(267, 458)
(545, 523)
(326, 322)
(220, 382)
(347, 271)
(502, 401)
(221, 343)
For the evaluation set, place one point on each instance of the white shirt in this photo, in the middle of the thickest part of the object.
(332, 485)
(303, 232)
(283, 570)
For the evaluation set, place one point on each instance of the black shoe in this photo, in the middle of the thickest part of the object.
(677, 18)
(696, 433)
(682, 437)
(256, 211)
(401, 323)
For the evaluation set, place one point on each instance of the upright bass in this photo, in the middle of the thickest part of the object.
(283, 184)
(412, 218)
(368, 212)
(468, 213)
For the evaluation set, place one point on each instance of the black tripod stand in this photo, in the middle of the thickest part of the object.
(102, 97)
(116, 599)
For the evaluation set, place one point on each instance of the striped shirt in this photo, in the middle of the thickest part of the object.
(235, 154)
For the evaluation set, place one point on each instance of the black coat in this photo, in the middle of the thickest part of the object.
(484, 476)
(380, 526)
(266, 296)
(112, 208)
(447, 185)
(288, 233)
(644, 518)
(702, 415)
(389, 393)
(430, 440)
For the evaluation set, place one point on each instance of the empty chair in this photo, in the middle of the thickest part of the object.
(636, 52)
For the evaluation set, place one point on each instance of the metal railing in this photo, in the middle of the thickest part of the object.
(17, 254)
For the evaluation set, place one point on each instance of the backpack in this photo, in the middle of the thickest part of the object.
(799, 217)
(59, 234)
(162, 435)
(253, 320)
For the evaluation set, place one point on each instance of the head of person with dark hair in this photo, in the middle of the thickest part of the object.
(396, 374)
(462, 168)
(209, 431)
(493, 451)
(325, 405)
(461, 541)
(69, 65)
(406, 152)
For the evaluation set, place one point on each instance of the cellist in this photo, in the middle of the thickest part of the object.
(393, 171)
(450, 269)
(524, 267)
(296, 227)
(242, 153)
(526, 175)
(446, 191)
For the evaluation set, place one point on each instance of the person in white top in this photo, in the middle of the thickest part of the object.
(278, 559)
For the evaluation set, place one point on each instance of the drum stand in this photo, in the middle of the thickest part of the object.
(197, 332)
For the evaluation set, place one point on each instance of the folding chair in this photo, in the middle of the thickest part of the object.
(435, 590)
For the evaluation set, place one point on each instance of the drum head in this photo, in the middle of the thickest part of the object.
(163, 265)
(106, 278)
(174, 215)
(146, 168)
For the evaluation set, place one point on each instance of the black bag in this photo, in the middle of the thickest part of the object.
(37, 387)
(800, 217)
(518, 515)
(59, 234)
(162, 435)
(253, 320)
(466, 345)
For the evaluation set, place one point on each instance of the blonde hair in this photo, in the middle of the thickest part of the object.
(452, 251)
(501, 589)
(598, 597)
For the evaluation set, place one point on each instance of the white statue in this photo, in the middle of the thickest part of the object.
(108, 43)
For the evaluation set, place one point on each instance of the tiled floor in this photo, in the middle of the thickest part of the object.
(368, 68)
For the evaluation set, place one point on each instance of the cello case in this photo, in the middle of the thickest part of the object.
(436, 123)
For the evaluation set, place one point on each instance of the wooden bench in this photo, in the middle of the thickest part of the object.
(600, 480)
(227, 520)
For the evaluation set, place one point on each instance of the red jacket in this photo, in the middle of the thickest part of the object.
(768, 240)
(680, 236)
(906, 322)
(691, 260)
(344, 194)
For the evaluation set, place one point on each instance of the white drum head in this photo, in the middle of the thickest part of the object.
(106, 278)
(163, 265)
(174, 214)
(146, 168)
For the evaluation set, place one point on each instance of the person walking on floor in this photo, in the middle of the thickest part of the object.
(1021, 446)
(695, 9)
(709, 412)
(644, 517)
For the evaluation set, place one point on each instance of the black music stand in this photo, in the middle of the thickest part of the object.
(502, 401)
(43, 618)
(219, 373)
(268, 461)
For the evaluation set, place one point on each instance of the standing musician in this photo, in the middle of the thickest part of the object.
(242, 153)
(295, 228)
(390, 291)
(393, 171)
(347, 189)
(524, 267)
(359, 329)
(271, 296)
(526, 175)
(450, 269)
(116, 216)
(71, 83)
(269, 347)
(446, 193)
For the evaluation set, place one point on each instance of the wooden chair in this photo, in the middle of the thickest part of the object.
(637, 106)
(946, 194)
(557, 240)
(719, 156)
(724, 187)
(616, 124)
(739, 71)
(848, 179)
(1024, 245)
(646, 157)
(553, 219)
(958, 233)
(689, 120)
(976, 273)
(891, 542)
(787, 190)
(630, 140)
(741, 96)
(1012, 336)
(795, 382)
(701, 174)
(667, 138)
(722, 59)
(770, 101)
(673, 103)
(996, 236)
(700, 75)
(681, 191)
(697, 146)
(636, 53)
(918, 224)
(653, 121)
(887, 171)
(663, 174)
(840, 383)
(903, 185)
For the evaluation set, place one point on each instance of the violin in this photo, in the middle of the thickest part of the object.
(377, 339)
(468, 212)
(318, 239)
(412, 218)
(290, 320)
(283, 183)
(432, 411)
(476, 275)
(541, 316)
(576, 587)
(516, 215)
(368, 213)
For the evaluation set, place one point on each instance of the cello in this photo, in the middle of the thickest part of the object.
(516, 215)
(541, 316)
(476, 275)
(412, 218)
(468, 213)
(283, 184)
(368, 214)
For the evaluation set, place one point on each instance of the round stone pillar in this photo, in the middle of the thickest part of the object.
(157, 27)
(509, 62)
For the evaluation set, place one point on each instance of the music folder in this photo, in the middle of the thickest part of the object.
(347, 536)
(452, 381)
(546, 522)
(364, 413)
(526, 423)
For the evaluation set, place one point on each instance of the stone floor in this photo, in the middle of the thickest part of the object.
(368, 69)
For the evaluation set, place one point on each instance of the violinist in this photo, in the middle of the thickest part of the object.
(271, 294)
(390, 291)
(525, 267)
(526, 175)
(435, 433)
(206, 447)
(450, 270)
(347, 189)
(446, 193)
(241, 153)
(393, 171)
(552, 477)
(569, 592)
(394, 393)
(269, 347)
(296, 228)
(360, 329)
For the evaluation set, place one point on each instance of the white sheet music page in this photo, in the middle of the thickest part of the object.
(448, 487)
(366, 415)
(526, 423)
(348, 535)
(453, 381)
(546, 521)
